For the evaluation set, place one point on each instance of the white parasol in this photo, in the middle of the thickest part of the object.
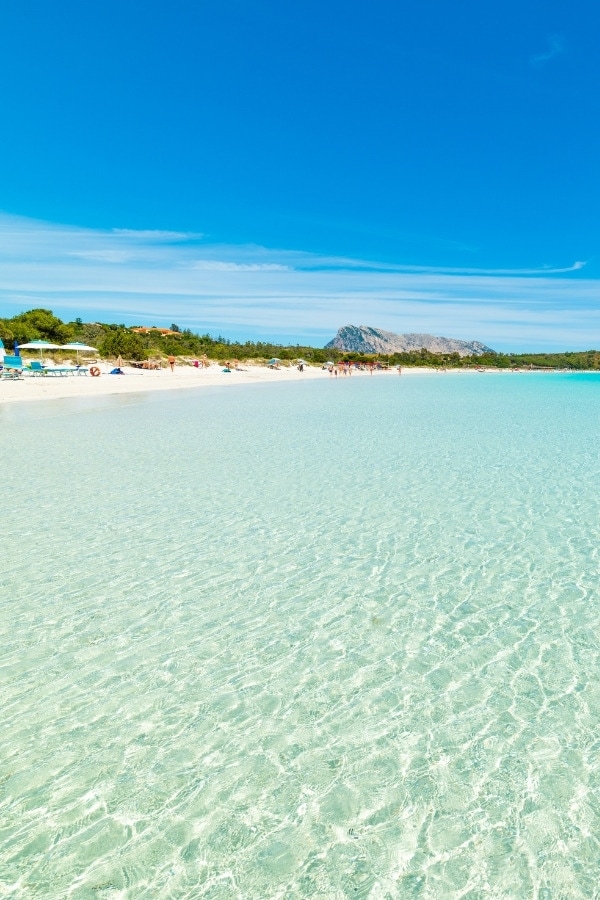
(79, 347)
(39, 345)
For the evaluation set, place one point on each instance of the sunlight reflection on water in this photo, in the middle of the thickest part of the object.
(325, 640)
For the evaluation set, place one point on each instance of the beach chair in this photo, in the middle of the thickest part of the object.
(34, 367)
(13, 367)
(58, 371)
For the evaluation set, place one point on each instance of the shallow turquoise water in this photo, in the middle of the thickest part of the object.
(328, 640)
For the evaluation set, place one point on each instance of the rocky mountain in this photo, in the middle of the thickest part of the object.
(362, 339)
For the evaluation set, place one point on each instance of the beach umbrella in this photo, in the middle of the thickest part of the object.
(39, 345)
(274, 361)
(79, 348)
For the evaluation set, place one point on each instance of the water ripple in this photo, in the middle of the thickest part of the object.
(323, 641)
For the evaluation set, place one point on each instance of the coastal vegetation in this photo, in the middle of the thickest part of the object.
(138, 343)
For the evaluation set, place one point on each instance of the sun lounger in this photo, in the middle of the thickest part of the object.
(59, 370)
(13, 367)
(35, 368)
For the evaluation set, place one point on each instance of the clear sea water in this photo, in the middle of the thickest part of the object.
(327, 640)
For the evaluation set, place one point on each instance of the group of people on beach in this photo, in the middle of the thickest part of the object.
(345, 368)
(340, 368)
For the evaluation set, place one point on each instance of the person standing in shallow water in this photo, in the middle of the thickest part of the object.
(172, 363)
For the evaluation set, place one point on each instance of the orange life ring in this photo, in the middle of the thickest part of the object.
(94, 371)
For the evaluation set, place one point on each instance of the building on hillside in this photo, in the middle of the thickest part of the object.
(165, 332)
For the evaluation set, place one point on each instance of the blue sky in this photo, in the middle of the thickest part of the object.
(278, 169)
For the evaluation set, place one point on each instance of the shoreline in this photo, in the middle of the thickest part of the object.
(134, 381)
(40, 388)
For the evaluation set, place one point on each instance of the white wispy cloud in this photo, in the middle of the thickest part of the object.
(157, 236)
(555, 46)
(250, 291)
(216, 265)
(344, 263)
(109, 256)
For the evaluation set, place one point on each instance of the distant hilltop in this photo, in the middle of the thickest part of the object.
(362, 339)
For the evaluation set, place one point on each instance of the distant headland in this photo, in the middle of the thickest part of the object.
(364, 339)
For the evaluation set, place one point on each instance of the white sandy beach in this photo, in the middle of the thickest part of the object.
(53, 387)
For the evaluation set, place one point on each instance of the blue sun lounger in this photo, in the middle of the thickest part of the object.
(58, 370)
(12, 367)
(35, 368)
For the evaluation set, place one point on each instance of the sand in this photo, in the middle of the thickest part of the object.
(54, 387)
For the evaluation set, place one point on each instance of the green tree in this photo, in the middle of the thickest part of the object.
(41, 324)
(92, 333)
(122, 343)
